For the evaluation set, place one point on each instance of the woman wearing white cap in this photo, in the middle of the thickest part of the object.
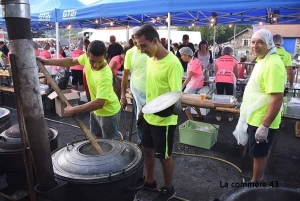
(194, 80)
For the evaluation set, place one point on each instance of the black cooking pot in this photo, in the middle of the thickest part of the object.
(82, 174)
(4, 119)
(262, 194)
(11, 152)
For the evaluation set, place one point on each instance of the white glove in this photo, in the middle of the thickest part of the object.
(261, 134)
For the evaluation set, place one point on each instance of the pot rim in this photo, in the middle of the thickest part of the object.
(130, 168)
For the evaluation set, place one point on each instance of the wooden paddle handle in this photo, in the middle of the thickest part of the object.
(86, 132)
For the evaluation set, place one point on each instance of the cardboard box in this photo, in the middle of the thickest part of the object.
(198, 134)
(71, 95)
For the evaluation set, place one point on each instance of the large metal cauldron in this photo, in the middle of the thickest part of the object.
(83, 175)
(262, 194)
(4, 119)
(11, 152)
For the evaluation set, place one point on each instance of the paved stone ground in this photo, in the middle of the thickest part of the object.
(197, 177)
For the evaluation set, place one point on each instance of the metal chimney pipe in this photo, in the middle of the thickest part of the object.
(17, 18)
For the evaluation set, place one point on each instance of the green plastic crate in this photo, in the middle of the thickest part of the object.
(203, 139)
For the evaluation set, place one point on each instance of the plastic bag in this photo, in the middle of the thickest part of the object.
(240, 132)
(62, 78)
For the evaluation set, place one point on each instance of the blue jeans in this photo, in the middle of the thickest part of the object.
(108, 126)
(139, 129)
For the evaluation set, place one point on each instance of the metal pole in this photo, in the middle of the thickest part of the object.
(169, 34)
(214, 42)
(17, 18)
(57, 39)
(234, 31)
(127, 34)
(69, 39)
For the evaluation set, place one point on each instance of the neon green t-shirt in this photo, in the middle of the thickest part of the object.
(100, 86)
(136, 62)
(271, 79)
(163, 76)
(285, 56)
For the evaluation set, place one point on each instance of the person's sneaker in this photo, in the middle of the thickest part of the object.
(218, 118)
(165, 194)
(151, 187)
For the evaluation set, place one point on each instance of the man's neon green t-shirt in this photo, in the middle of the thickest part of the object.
(285, 56)
(271, 79)
(163, 76)
(136, 62)
(100, 86)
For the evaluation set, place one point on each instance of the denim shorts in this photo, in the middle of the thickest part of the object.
(107, 126)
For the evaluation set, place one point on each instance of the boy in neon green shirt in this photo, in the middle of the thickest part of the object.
(164, 74)
(104, 106)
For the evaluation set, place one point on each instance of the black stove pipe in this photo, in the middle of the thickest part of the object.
(17, 18)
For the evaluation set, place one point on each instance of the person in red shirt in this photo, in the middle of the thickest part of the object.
(241, 67)
(45, 52)
(115, 64)
(226, 72)
(77, 71)
(36, 49)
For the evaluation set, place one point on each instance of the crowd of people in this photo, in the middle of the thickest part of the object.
(153, 71)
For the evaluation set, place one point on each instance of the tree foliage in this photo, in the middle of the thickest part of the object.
(223, 33)
(63, 33)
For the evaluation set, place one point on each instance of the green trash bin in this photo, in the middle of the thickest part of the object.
(198, 134)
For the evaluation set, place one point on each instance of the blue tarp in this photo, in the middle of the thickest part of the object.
(184, 12)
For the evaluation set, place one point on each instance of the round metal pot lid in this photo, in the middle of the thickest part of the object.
(4, 112)
(14, 131)
(10, 140)
(79, 162)
(162, 102)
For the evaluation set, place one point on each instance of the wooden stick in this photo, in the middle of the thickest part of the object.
(225, 109)
(86, 132)
(194, 101)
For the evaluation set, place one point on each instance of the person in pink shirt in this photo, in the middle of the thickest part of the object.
(241, 67)
(115, 64)
(226, 71)
(36, 49)
(194, 80)
(45, 52)
(77, 71)
(61, 55)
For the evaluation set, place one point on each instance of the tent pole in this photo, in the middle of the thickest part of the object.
(214, 42)
(234, 32)
(169, 24)
(127, 34)
(57, 39)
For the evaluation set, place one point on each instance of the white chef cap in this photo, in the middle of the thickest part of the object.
(266, 36)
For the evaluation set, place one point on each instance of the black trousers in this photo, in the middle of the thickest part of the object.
(227, 87)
